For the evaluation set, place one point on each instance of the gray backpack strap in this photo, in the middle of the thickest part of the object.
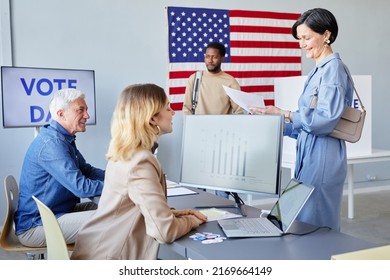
(195, 90)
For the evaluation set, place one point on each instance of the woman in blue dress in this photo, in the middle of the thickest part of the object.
(321, 159)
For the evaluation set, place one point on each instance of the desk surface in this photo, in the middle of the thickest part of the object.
(321, 244)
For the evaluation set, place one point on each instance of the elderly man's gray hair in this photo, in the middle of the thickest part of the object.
(62, 98)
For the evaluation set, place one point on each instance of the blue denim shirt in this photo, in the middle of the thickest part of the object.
(57, 174)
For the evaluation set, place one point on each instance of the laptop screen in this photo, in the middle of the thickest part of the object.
(286, 209)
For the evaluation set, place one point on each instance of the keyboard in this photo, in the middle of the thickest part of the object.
(253, 225)
(249, 227)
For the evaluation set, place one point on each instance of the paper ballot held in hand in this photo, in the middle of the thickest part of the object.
(243, 99)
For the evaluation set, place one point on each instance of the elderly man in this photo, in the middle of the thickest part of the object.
(57, 174)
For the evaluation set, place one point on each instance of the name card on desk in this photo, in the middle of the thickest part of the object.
(378, 253)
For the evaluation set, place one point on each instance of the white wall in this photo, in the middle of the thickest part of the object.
(126, 43)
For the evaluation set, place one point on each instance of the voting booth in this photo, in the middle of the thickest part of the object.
(287, 92)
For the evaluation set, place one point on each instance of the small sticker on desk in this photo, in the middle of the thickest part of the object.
(215, 240)
(207, 237)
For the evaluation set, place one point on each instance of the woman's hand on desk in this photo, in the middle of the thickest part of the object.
(202, 218)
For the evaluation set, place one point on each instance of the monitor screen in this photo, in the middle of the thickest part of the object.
(233, 153)
(26, 93)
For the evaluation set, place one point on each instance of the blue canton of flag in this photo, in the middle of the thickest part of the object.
(191, 30)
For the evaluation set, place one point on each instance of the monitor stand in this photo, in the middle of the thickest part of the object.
(239, 204)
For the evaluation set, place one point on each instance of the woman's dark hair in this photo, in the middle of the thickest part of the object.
(319, 20)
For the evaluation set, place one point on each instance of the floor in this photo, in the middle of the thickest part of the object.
(372, 216)
(371, 222)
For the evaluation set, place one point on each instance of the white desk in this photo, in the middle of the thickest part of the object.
(375, 156)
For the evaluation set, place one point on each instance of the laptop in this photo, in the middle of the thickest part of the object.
(278, 221)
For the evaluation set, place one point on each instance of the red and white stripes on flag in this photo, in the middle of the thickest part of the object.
(259, 47)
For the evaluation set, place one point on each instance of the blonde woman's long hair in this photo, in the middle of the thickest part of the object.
(131, 129)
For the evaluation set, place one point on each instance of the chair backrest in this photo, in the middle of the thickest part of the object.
(8, 236)
(55, 241)
(8, 239)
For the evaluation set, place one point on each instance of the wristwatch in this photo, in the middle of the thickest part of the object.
(287, 117)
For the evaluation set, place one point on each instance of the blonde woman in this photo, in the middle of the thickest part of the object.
(133, 216)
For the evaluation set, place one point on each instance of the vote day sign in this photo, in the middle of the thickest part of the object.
(27, 91)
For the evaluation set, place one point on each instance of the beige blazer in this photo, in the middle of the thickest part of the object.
(133, 216)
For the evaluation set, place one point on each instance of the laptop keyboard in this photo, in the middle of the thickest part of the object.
(253, 226)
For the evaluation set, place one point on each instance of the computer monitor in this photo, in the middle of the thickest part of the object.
(26, 93)
(233, 153)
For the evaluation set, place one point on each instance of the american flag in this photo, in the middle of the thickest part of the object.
(259, 47)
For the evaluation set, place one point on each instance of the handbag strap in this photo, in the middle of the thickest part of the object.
(360, 101)
(350, 77)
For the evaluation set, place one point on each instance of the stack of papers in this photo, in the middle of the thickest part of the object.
(214, 214)
(177, 191)
(171, 184)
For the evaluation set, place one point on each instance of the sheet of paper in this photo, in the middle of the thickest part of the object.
(243, 99)
(214, 214)
(171, 184)
(179, 191)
